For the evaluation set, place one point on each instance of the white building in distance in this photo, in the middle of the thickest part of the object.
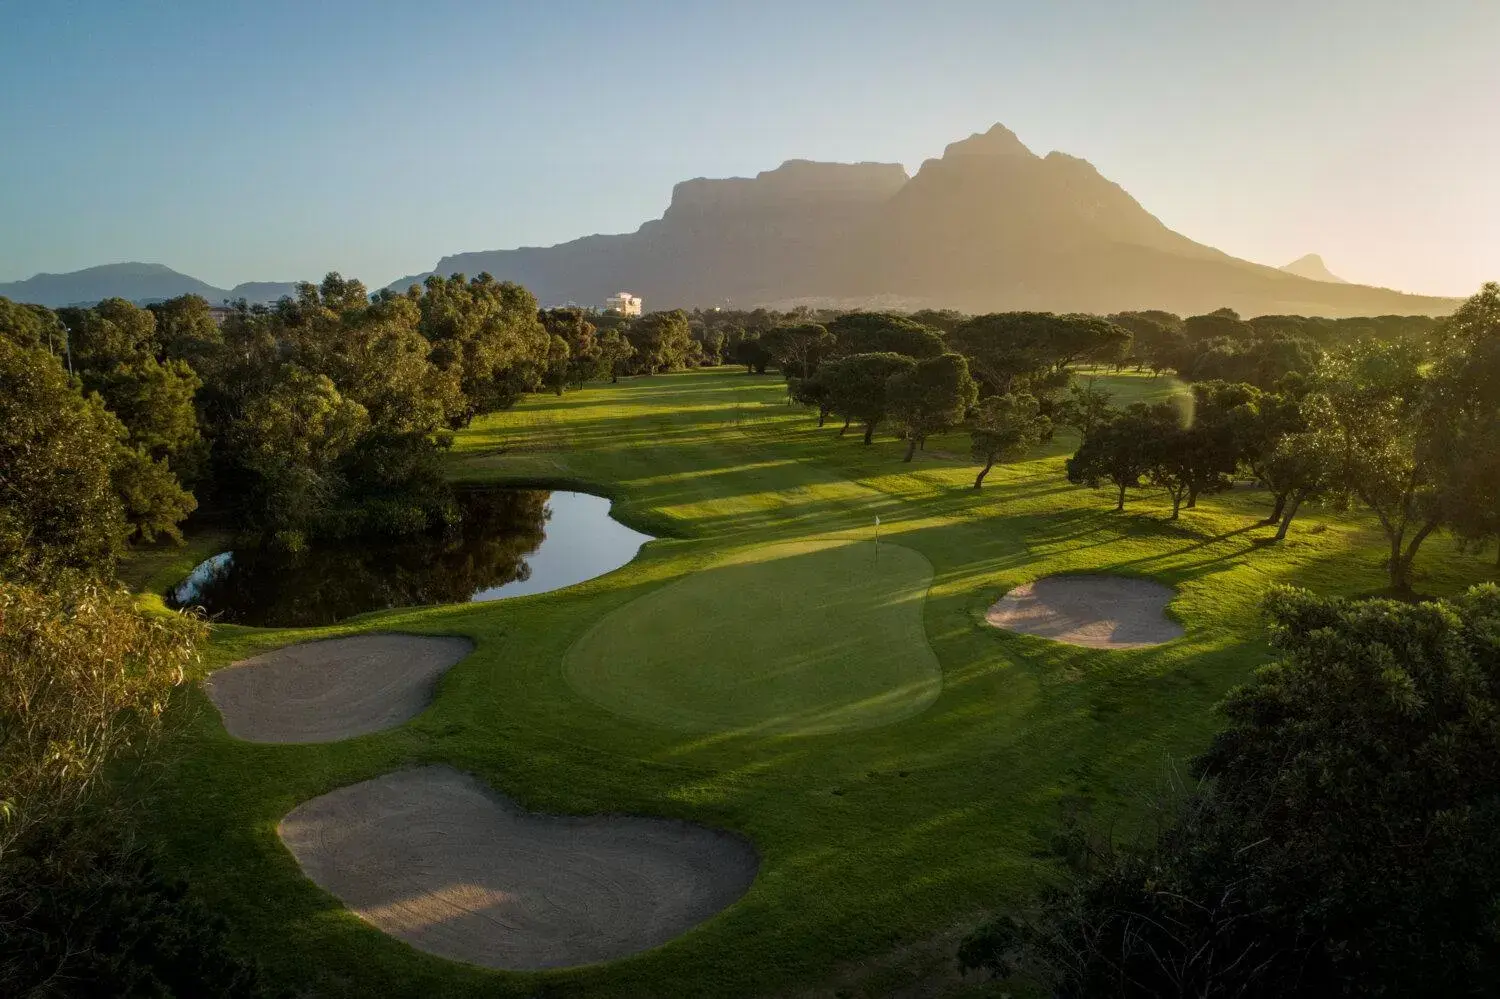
(624, 303)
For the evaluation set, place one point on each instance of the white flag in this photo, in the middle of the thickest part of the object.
(877, 520)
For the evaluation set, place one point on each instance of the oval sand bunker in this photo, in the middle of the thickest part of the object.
(1102, 612)
(332, 689)
(434, 857)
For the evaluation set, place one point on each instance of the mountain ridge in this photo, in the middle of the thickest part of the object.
(987, 226)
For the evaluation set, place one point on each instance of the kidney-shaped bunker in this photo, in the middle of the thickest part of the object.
(332, 689)
(439, 860)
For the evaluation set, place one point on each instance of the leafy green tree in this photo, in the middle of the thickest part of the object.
(292, 441)
(751, 350)
(558, 355)
(1301, 466)
(1120, 451)
(1086, 407)
(1343, 838)
(1189, 461)
(661, 341)
(1374, 409)
(858, 385)
(930, 397)
(155, 401)
(186, 331)
(798, 347)
(882, 333)
(1006, 428)
(1010, 350)
(812, 390)
(583, 350)
(487, 333)
(615, 354)
(58, 453)
(1466, 419)
(1219, 323)
(32, 326)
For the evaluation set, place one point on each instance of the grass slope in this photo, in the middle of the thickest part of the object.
(879, 845)
(803, 638)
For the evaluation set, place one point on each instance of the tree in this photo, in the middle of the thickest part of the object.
(1374, 407)
(1467, 419)
(155, 402)
(751, 350)
(857, 387)
(487, 334)
(1085, 408)
(1343, 838)
(1120, 451)
(1006, 428)
(882, 333)
(1188, 461)
(1007, 350)
(812, 390)
(930, 397)
(661, 340)
(615, 352)
(798, 347)
(1300, 465)
(584, 352)
(84, 679)
(292, 441)
(73, 488)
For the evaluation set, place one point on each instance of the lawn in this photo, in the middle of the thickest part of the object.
(744, 672)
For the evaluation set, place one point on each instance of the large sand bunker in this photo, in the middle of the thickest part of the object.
(1102, 612)
(434, 857)
(333, 689)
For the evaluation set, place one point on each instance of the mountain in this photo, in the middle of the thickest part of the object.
(1312, 268)
(139, 283)
(987, 226)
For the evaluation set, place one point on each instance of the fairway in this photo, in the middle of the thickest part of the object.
(792, 639)
(897, 763)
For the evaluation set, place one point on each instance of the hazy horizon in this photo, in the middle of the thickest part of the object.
(276, 143)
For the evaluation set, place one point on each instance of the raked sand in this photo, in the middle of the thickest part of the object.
(1102, 612)
(332, 689)
(436, 858)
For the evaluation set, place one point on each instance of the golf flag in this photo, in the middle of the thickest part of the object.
(877, 520)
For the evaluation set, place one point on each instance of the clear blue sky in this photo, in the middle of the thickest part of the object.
(273, 140)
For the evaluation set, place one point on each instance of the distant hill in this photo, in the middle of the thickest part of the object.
(136, 282)
(988, 226)
(1312, 268)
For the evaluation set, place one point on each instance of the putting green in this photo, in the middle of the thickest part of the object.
(797, 639)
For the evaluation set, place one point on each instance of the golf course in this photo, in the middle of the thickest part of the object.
(802, 743)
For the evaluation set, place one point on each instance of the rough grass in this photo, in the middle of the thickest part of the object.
(874, 842)
(844, 648)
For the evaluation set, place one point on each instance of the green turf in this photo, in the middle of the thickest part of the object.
(795, 639)
(880, 846)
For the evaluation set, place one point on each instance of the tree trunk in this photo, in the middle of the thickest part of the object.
(1176, 502)
(1276, 510)
(988, 464)
(911, 448)
(1121, 504)
(822, 417)
(869, 432)
(845, 427)
(1286, 521)
(1192, 497)
(1402, 561)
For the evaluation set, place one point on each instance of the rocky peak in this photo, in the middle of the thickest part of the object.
(794, 182)
(998, 141)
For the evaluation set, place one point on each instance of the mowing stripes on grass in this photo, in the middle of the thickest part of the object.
(796, 639)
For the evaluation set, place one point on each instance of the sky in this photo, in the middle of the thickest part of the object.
(273, 140)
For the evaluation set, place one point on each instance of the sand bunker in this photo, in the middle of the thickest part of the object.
(434, 857)
(1102, 612)
(333, 689)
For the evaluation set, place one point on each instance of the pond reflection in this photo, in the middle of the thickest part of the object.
(510, 542)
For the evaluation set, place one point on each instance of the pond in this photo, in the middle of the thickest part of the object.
(510, 542)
